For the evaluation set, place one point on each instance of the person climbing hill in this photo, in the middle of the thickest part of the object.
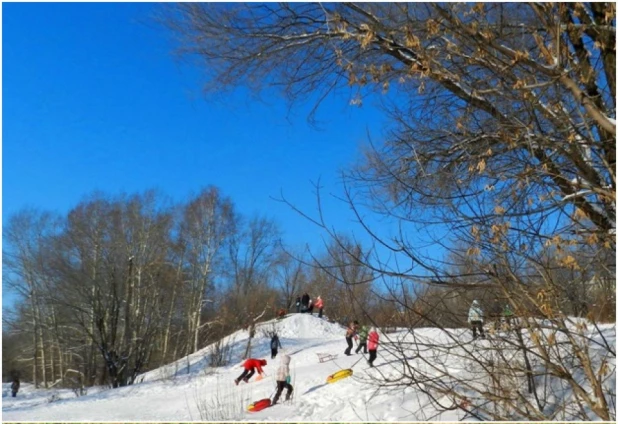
(283, 378)
(373, 340)
(250, 365)
(362, 339)
(349, 334)
(275, 344)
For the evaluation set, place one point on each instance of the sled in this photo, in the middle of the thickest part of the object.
(323, 357)
(259, 405)
(339, 375)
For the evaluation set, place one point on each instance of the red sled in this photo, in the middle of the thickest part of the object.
(259, 405)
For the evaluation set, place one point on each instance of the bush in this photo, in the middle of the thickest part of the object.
(221, 353)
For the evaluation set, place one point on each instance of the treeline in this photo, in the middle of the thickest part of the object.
(124, 284)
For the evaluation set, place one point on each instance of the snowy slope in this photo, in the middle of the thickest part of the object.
(190, 390)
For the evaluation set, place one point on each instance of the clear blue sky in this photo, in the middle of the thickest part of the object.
(93, 99)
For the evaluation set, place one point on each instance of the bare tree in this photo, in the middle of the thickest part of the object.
(123, 283)
(104, 276)
(209, 221)
(342, 280)
(253, 255)
(291, 276)
(502, 141)
(28, 234)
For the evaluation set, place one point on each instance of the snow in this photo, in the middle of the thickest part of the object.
(190, 390)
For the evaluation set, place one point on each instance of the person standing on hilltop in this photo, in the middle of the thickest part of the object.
(319, 304)
(298, 304)
(305, 302)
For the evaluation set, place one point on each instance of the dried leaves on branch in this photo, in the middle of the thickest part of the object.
(501, 152)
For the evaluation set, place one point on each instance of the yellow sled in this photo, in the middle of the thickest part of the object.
(339, 375)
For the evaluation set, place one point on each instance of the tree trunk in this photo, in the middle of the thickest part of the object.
(167, 326)
(35, 344)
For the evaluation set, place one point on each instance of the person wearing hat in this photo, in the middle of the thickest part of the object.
(283, 378)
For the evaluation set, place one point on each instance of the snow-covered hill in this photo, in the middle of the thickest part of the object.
(191, 390)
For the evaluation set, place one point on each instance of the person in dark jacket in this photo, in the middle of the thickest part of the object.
(298, 304)
(350, 332)
(275, 344)
(15, 386)
(305, 302)
(250, 365)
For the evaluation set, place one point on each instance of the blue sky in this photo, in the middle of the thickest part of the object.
(94, 99)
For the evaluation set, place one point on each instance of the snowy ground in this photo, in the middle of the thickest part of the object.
(190, 390)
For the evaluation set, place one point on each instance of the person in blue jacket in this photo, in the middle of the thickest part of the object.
(275, 344)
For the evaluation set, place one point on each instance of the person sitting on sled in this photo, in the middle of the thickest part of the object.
(283, 378)
(250, 365)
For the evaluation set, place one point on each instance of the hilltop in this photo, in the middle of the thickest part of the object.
(191, 390)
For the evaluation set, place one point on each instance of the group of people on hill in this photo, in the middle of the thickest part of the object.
(282, 376)
(305, 304)
(368, 340)
(476, 318)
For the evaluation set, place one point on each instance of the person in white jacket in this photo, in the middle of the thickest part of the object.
(283, 378)
(475, 318)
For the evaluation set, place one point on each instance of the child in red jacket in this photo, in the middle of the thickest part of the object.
(372, 345)
(250, 366)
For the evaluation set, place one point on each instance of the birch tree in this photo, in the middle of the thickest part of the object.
(27, 236)
(208, 222)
